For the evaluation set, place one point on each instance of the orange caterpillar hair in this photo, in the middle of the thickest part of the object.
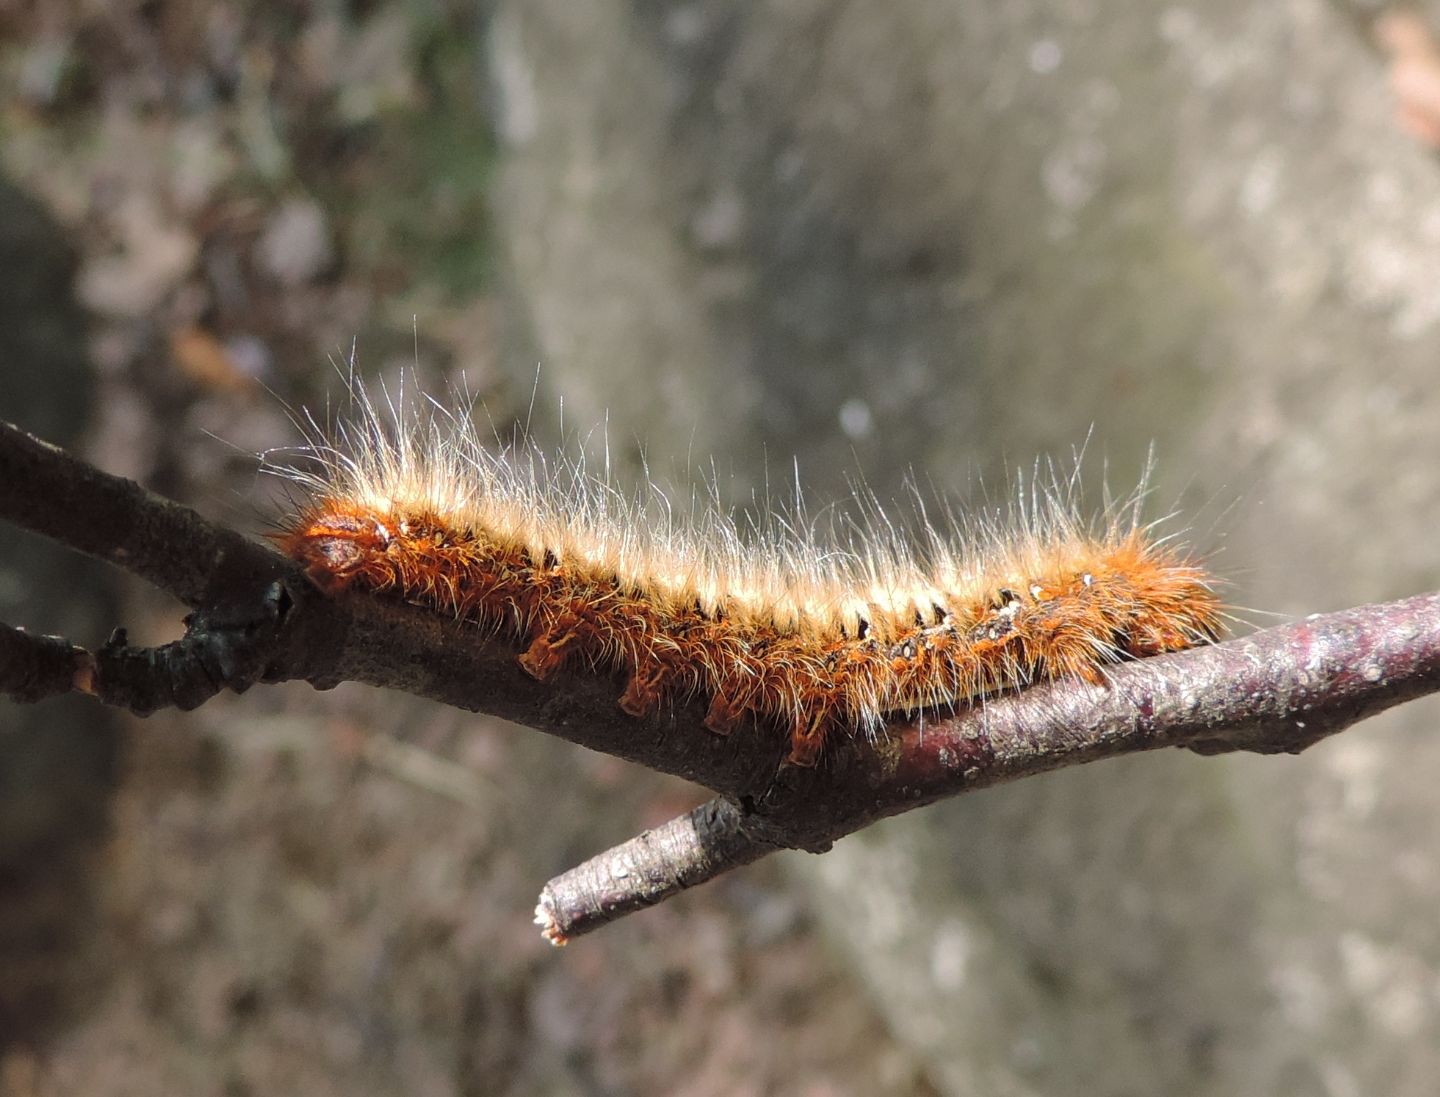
(787, 628)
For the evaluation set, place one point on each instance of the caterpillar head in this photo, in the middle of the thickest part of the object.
(335, 545)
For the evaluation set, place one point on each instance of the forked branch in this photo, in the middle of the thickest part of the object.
(257, 619)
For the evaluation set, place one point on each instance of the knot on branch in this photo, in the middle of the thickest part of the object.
(226, 646)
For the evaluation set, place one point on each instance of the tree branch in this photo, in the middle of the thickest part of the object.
(1274, 692)
(257, 619)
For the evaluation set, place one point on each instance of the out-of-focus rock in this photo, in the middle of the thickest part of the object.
(996, 230)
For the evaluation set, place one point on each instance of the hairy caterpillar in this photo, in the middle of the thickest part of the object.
(812, 634)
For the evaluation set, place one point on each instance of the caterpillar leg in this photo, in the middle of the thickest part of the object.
(645, 689)
(548, 650)
(807, 739)
(724, 715)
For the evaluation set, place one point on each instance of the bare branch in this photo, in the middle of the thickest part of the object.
(648, 869)
(35, 667)
(257, 619)
(45, 489)
(1277, 691)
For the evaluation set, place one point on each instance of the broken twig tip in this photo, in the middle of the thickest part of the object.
(549, 927)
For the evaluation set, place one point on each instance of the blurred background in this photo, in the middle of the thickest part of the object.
(924, 236)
